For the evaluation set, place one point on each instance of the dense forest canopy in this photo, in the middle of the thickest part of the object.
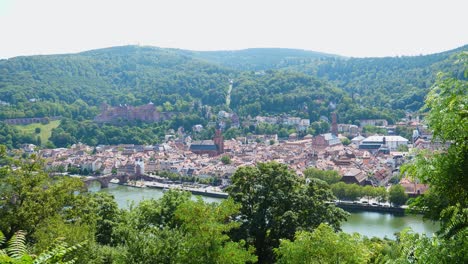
(258, 59)
(135, 75)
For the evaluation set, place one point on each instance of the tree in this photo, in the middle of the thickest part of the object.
(397, 195)
(418, 248)
(353, 192)
(275, 203)
(446, 172)
(381, 194)
(329, 176)
(37, 130)
(345, 141)
(205, 226)
(176, 229)
(369, 192)
(226, 159)
(339, 190)
(29, 196)
(323, 245)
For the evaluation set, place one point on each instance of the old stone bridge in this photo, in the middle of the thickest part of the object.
(104, 180)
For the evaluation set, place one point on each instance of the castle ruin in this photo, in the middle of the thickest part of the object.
(145, 113)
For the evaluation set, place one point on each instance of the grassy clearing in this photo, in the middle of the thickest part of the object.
(46, 130)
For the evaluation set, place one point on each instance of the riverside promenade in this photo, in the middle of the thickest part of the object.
(209, 191)
(215, 192)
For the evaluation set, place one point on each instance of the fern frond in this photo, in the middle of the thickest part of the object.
(17, 245)
(2, 241)
(57, 253)
(2, 238)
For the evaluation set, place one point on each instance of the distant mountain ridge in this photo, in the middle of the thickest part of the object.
(135, 75)
(262, 58)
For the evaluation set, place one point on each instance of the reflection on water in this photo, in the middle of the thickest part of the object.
(125, 195)
(366, 223)
(381, 225)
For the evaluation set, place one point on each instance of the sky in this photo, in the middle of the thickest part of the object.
(355, 28)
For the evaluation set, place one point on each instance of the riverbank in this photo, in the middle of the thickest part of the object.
(215, 192)
(209, 191)
(359, 207)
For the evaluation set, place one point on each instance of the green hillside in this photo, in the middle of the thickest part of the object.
(258, 59)
(45, 130)
(399, 83)
(194, 84)
(121, 75)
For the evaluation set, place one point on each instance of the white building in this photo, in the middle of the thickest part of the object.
(392, 142)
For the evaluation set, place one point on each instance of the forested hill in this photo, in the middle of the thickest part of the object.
(390, 82)
(398, 83)
(258, 59)
(121, 75)
(271, 80)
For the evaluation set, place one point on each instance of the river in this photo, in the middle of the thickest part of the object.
(366, 223)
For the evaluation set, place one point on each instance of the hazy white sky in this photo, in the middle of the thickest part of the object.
(359, 28)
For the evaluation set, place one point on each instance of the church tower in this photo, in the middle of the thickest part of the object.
(334, 126)
(219, 141)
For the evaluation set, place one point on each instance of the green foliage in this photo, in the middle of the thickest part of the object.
(416, 248)
(30, 196)
(261, 59)
(13, 138)
(397, 195)
(319, 127)
(226, 159)
(45, 130)
(405, 131)
(398, 83)
(206, 226)
(70, 132)
(345, 141)
(402, 148)
(343, 191)
(176, 229)
(275, 203)
(368, 130)
(323, 245)
(446, 171)
(353, 192)
(122, 75)
(329, 176)
(16, 252)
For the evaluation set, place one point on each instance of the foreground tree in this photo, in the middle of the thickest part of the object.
(446, 172)
(175, 229)
(29, 196)
(275, 203)
(323, 245)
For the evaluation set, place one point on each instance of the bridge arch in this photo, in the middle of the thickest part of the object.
(105, 179)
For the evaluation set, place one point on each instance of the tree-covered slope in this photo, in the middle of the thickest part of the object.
(391, 82)
(130, 74)
(265, 81)
(257, 59)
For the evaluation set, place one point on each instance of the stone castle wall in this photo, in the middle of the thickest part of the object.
(146, 113)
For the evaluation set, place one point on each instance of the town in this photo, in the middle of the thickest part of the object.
(373, 160)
